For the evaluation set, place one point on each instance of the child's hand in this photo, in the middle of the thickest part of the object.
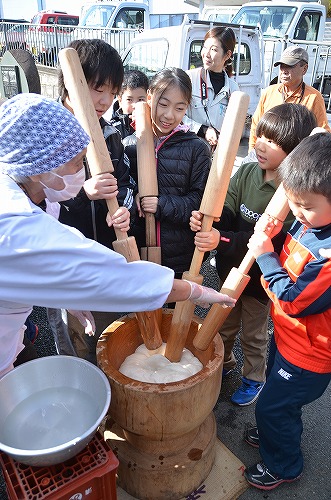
(196, 220)
(325, 252)
(204, 240)
(268, 225)
(120, 219)
(207, 240)
(140, 212)
(86, 320)
(259, 243)
(101, 187)
(211, 136)
(149, 204)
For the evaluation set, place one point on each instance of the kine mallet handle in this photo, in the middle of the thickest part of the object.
(237, 278)
(211, 206)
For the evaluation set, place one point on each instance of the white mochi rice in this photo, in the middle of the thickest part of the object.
(153, 367)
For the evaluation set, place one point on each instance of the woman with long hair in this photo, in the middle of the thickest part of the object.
(212, 84)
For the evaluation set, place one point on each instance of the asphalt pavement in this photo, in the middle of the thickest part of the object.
(232, 421)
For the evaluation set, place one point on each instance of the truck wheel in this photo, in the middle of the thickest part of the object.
(28, 65)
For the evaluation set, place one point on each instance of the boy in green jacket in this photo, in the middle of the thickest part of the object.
(250, 190)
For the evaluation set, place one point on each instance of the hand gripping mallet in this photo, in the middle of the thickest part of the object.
(211, 206)
(237, 278)
(99, 161)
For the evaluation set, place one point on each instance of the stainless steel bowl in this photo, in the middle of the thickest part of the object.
(50, 408)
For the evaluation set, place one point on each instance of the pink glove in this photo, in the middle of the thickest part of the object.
(204, 296)
(86, 320)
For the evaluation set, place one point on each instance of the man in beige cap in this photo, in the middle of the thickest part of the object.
(293, 65)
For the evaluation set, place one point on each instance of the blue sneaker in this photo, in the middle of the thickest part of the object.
(247, 393)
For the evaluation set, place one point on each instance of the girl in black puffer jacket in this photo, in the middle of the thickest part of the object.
(182, 161)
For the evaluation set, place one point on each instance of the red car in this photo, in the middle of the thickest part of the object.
(49, 32)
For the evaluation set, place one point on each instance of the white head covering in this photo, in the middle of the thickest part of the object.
(37, 134)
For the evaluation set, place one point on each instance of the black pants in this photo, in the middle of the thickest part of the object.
(29, 352)
(278, 412)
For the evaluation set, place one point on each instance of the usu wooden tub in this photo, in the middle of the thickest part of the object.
(166, 432)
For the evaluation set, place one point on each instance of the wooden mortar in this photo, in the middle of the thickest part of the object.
(163, 434)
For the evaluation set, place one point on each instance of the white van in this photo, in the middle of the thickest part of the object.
(180, 46)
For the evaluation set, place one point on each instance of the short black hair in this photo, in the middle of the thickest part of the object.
(134, 79)
(286, 125)
(307, 169)
(101, 64)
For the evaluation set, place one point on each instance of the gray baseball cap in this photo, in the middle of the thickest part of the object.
(292, 55)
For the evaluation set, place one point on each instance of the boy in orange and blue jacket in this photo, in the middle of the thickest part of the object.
(298, 283)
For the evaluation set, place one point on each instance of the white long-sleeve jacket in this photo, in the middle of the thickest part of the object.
(46, 263)
(216, 105)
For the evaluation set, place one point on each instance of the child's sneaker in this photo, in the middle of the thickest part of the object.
(261, 477)
(251, 437)
(247, 393)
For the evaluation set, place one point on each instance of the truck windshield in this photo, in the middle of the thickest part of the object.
(219, 14)
(97, 16)
(274, 21)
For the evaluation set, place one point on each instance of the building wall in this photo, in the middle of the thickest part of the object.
(48, 81)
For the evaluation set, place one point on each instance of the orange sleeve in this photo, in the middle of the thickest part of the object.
(255, 120)
(320, 112)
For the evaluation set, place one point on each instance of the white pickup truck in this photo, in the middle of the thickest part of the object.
(136, 14)
(260, 43)
(180, 46)
(292, 22)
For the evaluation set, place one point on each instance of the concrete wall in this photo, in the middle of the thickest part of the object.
(48, 81)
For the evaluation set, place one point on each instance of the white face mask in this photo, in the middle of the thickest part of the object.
(72, 185)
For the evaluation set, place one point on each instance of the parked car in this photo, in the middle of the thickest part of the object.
(51, 17)
(292, 22)
(49, 32)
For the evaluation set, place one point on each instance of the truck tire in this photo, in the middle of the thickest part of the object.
(28, 65)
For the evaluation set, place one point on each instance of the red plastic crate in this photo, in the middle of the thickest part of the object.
(90, 474)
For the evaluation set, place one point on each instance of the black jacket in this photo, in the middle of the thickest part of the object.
(121, 121)
(90, 216)
(183, 163)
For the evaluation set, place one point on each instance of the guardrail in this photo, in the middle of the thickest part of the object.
(45, 41)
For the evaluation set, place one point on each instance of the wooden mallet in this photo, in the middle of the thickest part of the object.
(147, 178)
(211, 207)
(99, 162)
(237, 278)
(147, 182)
